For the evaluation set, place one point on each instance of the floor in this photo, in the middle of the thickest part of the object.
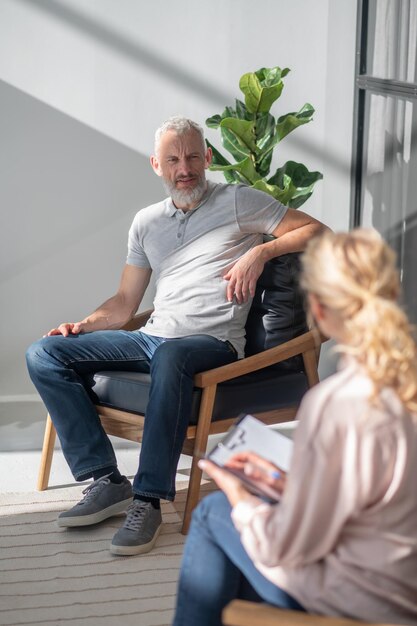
(19, 470)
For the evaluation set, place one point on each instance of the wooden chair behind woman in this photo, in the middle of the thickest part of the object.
(242, 613)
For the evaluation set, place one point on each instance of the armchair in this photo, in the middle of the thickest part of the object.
(268, 383)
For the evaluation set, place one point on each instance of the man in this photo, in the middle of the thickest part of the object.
(204, 243)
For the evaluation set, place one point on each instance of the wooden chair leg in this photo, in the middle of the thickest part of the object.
(200, 446)
(47, 452)
(310, 365)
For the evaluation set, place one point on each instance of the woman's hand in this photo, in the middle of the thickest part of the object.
(259, 469)
(231, 485)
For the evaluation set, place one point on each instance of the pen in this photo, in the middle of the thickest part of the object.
(251, 468)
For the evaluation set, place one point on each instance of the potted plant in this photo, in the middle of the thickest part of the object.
(251, 133)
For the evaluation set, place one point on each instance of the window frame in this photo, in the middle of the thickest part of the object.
(366, 84)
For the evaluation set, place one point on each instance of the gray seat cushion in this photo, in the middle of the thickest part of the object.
(256, 392)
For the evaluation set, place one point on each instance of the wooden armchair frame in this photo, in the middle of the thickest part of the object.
(130, 425)
(242, 613)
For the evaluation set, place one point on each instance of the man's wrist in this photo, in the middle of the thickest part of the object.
(268, 251)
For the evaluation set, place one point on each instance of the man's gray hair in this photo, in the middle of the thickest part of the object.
(180, 125)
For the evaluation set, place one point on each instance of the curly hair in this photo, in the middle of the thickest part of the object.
(354, 274)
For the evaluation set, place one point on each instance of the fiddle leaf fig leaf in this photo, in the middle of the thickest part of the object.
(270, 76)
(214, 121)
(264, 129)
(243, 130)
(296, 179)
(298, 173)
(220, 161)
(218, 158)
(273, 190)
(245, 168)
(230, 142)
(241, 111)
(262, 88)
(228, 112)
(264, 164)
(289, 122)
(297, 201)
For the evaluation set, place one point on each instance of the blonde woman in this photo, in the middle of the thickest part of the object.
(343, 540)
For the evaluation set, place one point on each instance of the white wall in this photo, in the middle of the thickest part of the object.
(84, 84)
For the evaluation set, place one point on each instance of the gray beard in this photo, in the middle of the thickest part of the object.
(181, 197)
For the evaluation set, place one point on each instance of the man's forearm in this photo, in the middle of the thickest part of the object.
(113, 314)
(117, 310)
(291, 235)
(292, 241)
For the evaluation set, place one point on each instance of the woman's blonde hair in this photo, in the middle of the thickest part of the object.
(354, 274)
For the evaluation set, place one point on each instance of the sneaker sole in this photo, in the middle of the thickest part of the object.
(95, 518)
(132, 550)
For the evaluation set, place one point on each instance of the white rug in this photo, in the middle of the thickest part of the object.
(50, 575)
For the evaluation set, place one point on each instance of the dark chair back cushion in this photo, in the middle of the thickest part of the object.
(277, 313)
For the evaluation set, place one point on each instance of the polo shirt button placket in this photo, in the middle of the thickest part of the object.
(180, 231)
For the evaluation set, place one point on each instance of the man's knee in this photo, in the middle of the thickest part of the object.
(171, 355)
(40, 351)
(34, 353)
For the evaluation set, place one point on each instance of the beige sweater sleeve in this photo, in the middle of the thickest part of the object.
(339, 467)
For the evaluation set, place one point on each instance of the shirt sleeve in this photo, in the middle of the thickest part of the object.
(333, 476)
(256, 211)
(135, 253)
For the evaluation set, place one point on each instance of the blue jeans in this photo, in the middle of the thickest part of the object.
(58, 367)
(216, 569)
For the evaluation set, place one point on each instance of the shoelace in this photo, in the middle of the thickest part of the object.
(136, 514)
(92, 490)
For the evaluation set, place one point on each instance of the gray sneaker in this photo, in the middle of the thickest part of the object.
(102, 500)
(140, 530)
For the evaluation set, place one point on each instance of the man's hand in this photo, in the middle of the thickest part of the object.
(68, 328)
(243, 275)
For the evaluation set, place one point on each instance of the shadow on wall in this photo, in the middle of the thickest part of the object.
(68, 196)
(130, 48)
(169, 71)
(63, 181)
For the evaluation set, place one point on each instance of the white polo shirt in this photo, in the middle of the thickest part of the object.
(190, 253)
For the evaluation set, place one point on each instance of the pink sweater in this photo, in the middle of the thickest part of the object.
(343, 540)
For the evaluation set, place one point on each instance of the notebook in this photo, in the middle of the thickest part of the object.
(249, 434)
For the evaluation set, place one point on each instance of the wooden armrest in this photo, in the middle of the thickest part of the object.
(303, 343)
(242, 613)
(138, 320)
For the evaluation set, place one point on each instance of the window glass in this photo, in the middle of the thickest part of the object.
(389, 182)
(392, 39)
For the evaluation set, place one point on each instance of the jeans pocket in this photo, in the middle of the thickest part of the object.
(231, 347)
